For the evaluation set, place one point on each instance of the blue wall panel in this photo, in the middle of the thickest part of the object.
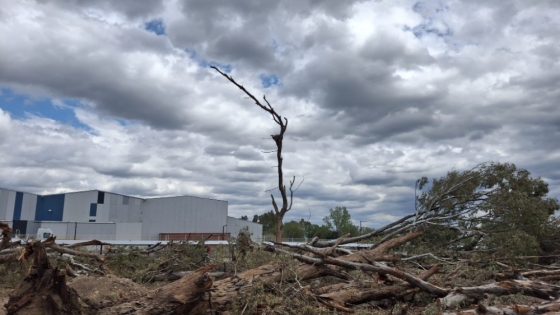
(19, 227)
(17, 206)
(50, 208)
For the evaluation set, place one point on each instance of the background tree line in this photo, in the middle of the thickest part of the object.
(336, 224)
(493, 208)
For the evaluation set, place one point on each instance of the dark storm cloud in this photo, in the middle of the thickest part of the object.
(134, 188)
(337, 195)
(374, 181)
(248, 154)
(98, 77)
(256, 169)
(130, 8)
(246, 32)
(383, 48)
(364, 94)
(238, 46)
(220, 149)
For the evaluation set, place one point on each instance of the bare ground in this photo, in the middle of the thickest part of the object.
(4, 299)
(101, 292)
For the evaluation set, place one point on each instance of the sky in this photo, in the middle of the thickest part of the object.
(119, 96)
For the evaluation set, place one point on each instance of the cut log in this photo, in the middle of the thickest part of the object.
(549, 308)
(179, 274)
(472, 295)
(179, 297)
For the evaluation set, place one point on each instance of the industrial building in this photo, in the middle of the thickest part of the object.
(102, 215)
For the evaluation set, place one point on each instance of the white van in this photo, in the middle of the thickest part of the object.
(44, 233)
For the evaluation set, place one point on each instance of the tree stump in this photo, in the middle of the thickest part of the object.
(44, 290)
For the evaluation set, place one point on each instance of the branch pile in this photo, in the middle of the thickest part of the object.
(324, 275)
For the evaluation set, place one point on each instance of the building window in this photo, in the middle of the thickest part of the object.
(91, 220)
(100, 197)
(125, 200)
(93, 210)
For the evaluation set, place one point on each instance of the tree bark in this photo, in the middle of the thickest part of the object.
(470, 295)
(44, 290)
(549, 308)
(6, 235)
(184, 296)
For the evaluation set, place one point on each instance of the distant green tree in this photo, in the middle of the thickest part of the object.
(340, 220)
(293, 229)
(321, 231)
(268, 220)
(244, 217)
(366, 230)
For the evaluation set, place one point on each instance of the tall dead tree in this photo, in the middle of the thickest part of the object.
(278, 139)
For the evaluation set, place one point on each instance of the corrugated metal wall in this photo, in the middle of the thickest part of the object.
(59, 229)
(99, 231)
(76, 230)
(76, 206)
(32, 227)
(128, 231)
(182, 214)
(235, 225)
(4, 195)
(29, 206)
(7, 203)
(15, 205)
(123, 209)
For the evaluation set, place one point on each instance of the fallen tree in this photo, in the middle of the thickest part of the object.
(400, 264)
(44, 289)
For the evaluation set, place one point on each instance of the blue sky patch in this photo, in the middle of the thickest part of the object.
(277, 47)
(155, 26)
(60, 110)
(269, 80)
(429, 26)
(433, 23)
(205, 63)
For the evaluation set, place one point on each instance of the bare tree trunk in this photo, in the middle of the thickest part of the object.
(279, 228)
(282, 122)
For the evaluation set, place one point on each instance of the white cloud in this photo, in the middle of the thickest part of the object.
(377, 94)
(5, 125)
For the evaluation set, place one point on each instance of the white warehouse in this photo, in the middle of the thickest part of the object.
(96, 214)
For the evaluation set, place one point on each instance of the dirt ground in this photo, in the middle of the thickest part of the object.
(4, 299)
(97, 292)
(100, 292)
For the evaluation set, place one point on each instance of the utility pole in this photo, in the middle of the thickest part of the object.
(361, 227)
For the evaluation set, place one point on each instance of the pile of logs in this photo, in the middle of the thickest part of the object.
(44, 290)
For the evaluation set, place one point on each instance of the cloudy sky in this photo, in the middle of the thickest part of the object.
(119, 96)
